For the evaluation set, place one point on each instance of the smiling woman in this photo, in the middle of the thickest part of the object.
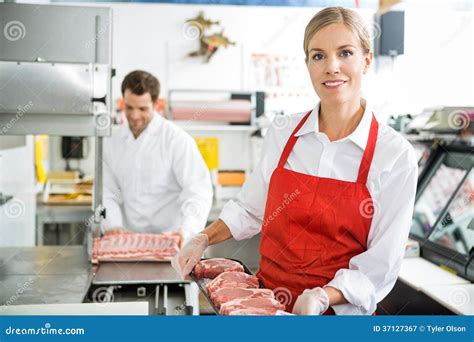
(338, 53)
(337, 246)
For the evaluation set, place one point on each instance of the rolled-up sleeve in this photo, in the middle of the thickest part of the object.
(371, 275)
(244, 216)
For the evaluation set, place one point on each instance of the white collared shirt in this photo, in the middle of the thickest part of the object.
(156, 183)
(391, 182)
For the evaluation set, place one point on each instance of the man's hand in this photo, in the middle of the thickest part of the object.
(116, 230)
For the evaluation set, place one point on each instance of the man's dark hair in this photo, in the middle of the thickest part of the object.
(141, 82)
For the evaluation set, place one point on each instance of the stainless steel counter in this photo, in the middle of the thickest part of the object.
(43, 275)
(63, 275)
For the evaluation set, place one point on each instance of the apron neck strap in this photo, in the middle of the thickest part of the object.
(292, 141)
(366, 158)
(369, 152)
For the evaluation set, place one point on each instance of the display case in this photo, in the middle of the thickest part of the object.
(426, 151)
(443, 219)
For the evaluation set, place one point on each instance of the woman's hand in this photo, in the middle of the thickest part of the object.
(192, 252)
(189, 255)
(312, 302)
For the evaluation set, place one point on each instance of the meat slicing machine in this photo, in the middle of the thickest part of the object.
(62, 87)
(152, 282)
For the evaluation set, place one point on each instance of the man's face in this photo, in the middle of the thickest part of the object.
(138, 110)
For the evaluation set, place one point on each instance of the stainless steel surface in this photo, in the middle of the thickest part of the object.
(75, 125)
(62, 274)
(53, 33)
(135, 273)
(157, 298)
(175, 300)
(43, 289)
(56, 76)
(99, 211)
(38, 94)
(163, 299)
(57, 214)
(45, 260)
(47, 88)
(43, 275)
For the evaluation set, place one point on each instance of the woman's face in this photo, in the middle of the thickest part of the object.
(336, 63)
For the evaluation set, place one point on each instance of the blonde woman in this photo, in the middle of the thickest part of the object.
(334, 192)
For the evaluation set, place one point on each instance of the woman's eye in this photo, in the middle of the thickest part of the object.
(346, 53)
(317, 56)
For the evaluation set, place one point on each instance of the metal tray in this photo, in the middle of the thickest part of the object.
(111, 273)
(203, 282)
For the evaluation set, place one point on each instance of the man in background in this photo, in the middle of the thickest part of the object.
(155, 179)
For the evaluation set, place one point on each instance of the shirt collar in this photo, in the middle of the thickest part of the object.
(152, 127)
(360, 134)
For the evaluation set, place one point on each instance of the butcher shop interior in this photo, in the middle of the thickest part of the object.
(143, 146)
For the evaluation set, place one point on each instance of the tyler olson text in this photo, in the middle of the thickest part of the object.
(448, 328)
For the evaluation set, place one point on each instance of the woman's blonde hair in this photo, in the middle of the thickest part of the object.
(333, 15)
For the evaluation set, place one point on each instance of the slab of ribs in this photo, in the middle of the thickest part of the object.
(136, 247)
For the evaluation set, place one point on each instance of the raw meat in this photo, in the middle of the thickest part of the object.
(232, 279)
(226, 294)
(136, 247)
(251, 312)
(248, 306)
(211, 268)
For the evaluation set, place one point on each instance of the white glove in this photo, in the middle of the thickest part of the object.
(311, 302)
(190, 254)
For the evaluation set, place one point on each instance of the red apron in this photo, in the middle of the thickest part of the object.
(313, 225)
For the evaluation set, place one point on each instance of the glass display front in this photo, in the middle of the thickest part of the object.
(456, 229)
(441, 187)
(423, 152)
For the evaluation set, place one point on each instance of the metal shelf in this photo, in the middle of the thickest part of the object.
(222, 128)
